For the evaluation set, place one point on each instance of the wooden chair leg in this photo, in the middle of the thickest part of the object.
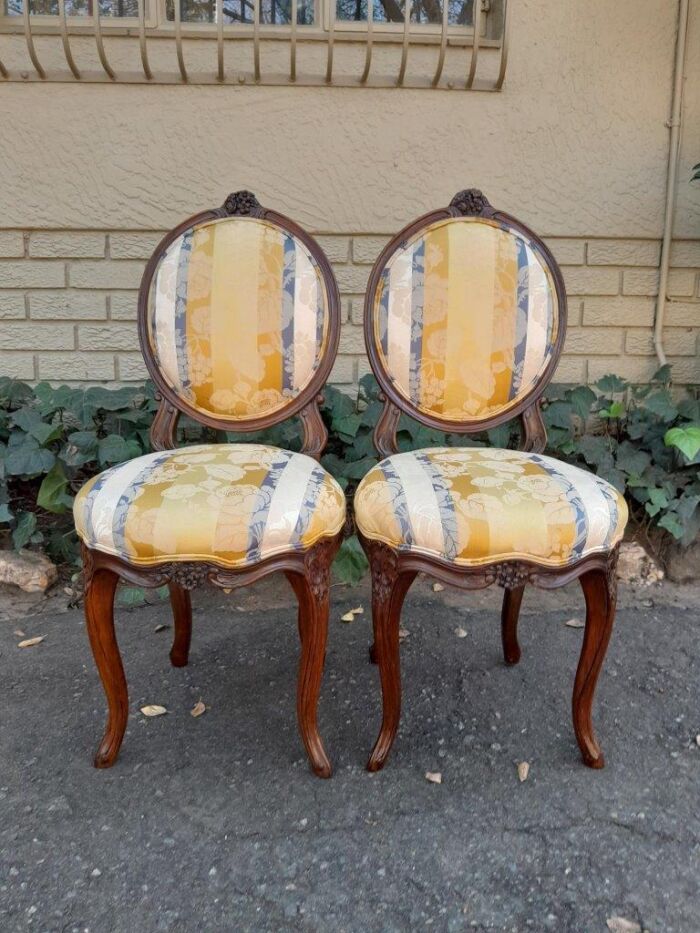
(600, 590)
(99, 617)
(313, 592)
(512, 598)
(182, 619)
(389, 589)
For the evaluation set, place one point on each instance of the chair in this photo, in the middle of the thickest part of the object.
(465, 315)
(238, 321)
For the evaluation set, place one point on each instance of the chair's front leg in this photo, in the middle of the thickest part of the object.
(389, 587)
(312, 587)
(600, 589)
(100, 587)
(182, 620)
(512, 598)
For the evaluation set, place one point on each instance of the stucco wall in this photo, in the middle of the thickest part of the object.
(575, 144)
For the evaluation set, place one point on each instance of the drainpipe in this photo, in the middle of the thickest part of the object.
(673, 153)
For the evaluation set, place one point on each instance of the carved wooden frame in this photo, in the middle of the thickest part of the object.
(308, 571)
(306, 403)
(393, 570)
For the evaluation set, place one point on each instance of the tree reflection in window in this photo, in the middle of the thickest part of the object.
(460, 12)
(119, 8)
(272, 12)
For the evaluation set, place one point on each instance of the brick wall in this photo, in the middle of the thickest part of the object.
(68, 305)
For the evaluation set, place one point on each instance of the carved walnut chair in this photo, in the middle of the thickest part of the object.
(465, 316)
(239, 324)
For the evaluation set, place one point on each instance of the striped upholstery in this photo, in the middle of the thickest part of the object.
(473, 505)
(238, 317)
(465, 318)
(232, 504)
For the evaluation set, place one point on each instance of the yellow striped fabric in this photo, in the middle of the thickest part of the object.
(238, 317)
(473, 505)
(465, 318)
(232, 504)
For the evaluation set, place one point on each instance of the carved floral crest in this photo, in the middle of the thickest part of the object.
(470, 202)
(242, 202)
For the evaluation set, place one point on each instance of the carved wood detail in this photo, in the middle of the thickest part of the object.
(314, 430)
(384, 435)
(471, 203)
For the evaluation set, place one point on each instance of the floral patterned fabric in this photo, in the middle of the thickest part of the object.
(238, 317)
(465, 318)
(475, 505)
(233, 504)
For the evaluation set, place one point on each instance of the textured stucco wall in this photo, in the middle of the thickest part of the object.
(576, 144)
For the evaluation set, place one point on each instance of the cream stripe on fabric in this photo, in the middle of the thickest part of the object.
(596, 504)
(537, 320)
(422, 502)
(306, 299)
(111, 492)
(286, 502)
(399, 316)
(163, 330)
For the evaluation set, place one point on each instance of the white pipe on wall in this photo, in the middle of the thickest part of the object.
(673, 153)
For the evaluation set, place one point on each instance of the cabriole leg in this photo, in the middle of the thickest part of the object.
(182, 620)
(512, 598)
(99, 617)
(600, 589)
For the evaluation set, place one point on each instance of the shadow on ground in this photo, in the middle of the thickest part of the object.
(215, 823)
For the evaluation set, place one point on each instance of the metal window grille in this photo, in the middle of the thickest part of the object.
(447, 44)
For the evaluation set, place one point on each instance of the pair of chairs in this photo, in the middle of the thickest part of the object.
(239, 321)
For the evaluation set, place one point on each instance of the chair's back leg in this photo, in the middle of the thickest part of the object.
(99, 617)
(600, 589)
(512, 598)
(182, 620)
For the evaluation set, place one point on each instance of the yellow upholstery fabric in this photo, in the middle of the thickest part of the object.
(232, 504)
(238, 317)
(465, 318)
(470, 506)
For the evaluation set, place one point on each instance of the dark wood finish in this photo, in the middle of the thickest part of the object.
(600, 589)
(305, 404)
(512, 598)
(470, 203)
(182, 619)
(393, 570)
(307, 571)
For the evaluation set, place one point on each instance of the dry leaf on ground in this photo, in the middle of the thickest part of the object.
(19, 633)
(350, 615)
(30, 642)
(575, 623)
(438, 587)
(460, 632)
(622, 925)
(198, 709)
(697, 740)
(161, 628)
(153, 710)
(403, 633)
(523, 771)
(435, 777)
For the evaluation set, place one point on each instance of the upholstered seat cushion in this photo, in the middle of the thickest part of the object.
(233, 504)
(474, 505)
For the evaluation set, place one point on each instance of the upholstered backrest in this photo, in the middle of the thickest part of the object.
(238, 314)
(465, 316)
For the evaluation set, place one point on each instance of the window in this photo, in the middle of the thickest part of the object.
(423, 12)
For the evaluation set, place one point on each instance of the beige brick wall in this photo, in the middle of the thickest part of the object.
(68, 305)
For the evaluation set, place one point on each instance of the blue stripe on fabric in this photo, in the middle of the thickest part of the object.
(320, 309)
(384, 311)
(287, 324)
(121, 510)
(89, 501)
(417, 299)
(574, 500)
(263, 500)
(181, 309)
(308, 505)
(400, 504)
(614, 510)
(521, 321)
(445, 503)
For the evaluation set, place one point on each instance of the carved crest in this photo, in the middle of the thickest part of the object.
(188, 575)
(511, 574)
(242, 203)
(470, 203)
